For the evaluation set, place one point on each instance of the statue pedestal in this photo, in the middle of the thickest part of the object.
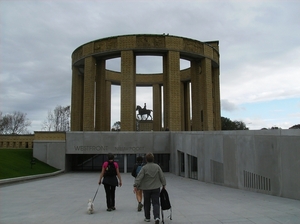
(146, 125)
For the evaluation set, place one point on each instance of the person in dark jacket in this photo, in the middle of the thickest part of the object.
(150, 179)
(110, 172)
(139, 193)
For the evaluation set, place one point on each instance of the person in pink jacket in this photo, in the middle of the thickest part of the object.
(110, 172)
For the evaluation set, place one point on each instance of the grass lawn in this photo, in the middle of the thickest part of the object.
(16, 163)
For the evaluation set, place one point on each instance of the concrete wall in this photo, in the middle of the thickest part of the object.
(117, 142)
(51, 152)
(262, 161)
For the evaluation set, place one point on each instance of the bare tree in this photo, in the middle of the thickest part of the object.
(58, 119)
(15, 123)
(116, 126)
(1, 123)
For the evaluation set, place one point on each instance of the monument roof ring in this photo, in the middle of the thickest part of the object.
(146, 45)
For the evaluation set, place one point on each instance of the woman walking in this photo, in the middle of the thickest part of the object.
(110, 172)
(139, 193)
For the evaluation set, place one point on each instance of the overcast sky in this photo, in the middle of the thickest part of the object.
(259, 52)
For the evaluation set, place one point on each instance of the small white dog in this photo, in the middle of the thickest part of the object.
(90, 208)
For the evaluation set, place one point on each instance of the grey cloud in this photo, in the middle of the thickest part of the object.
(226, 105)
(38, 38)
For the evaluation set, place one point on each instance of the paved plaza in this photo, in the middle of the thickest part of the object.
(63, 199)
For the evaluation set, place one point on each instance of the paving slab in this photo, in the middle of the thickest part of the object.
(63, 199)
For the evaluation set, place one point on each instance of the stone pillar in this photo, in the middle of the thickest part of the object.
(76, 100)
(206, 90)
(173, 88)
(128, 91)
(108, 106)
(185, 107)
(103, 99)
(197, 104)
(156, 107)
(216, 99)
(89, 94)
(166, 103)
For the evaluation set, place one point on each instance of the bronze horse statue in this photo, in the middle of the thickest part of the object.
(142, 112)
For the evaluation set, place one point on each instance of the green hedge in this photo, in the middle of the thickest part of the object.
(17, 163)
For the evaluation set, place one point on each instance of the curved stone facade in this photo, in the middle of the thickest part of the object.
(91, 83)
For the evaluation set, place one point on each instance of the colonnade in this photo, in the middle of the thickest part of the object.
(91, 83)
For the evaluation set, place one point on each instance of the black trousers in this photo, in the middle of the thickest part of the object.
(151, 196)
(110, 195)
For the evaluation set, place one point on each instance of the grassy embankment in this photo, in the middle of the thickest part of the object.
(16, 163)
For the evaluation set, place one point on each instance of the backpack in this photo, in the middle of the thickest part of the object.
(110, 170)
(165, 203)
(138, 169)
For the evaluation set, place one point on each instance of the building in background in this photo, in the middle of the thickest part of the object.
(196, 87)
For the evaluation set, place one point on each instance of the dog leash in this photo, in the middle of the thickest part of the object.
(96, 192)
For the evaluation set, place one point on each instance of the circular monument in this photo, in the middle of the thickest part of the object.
(191, 97)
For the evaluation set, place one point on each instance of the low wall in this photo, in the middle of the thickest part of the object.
(50, 147)
(16, 141)
(265, 161)
(51, 152)
(260, 161)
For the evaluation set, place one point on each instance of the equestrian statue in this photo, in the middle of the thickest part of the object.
(142, 112)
